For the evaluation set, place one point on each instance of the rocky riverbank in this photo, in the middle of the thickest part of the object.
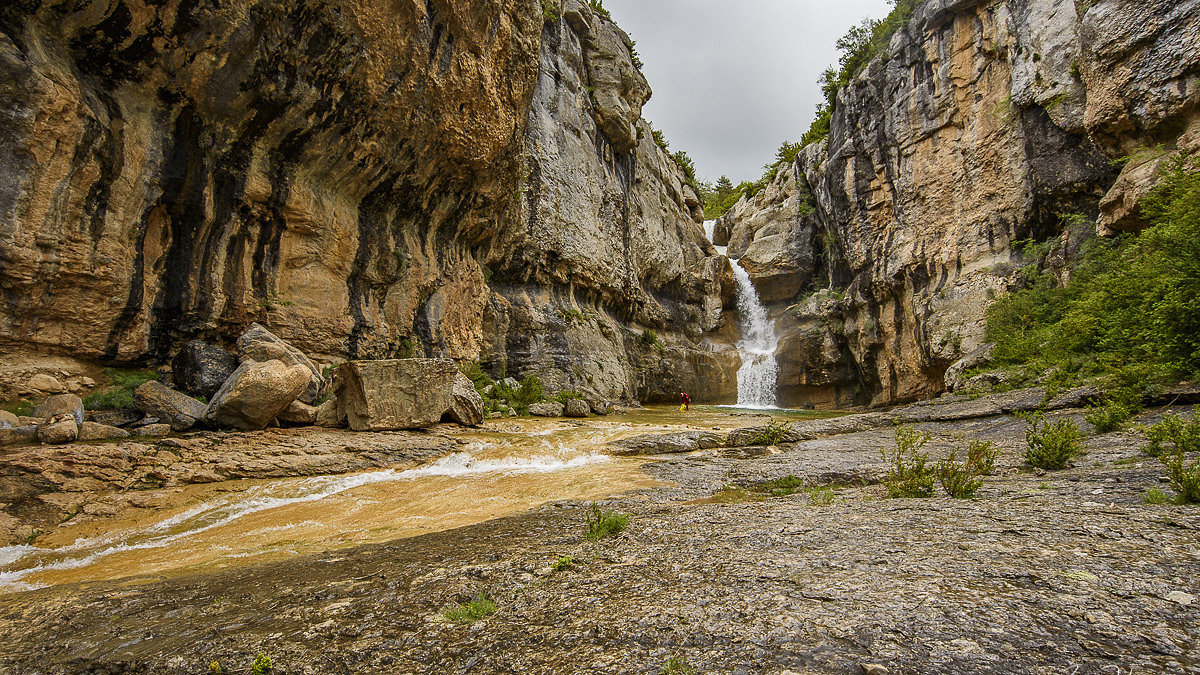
(1065, 571)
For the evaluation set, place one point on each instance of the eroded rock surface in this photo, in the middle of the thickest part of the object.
(370, 181)
(404, 394)
(172, 407)
(1061, 572)
(978, 126)
(200, 368)
(256, 393)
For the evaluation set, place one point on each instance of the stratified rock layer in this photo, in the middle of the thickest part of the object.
(404, 394)
(369, 180)
(981, 124)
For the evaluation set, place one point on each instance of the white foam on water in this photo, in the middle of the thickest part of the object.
(18, 562)
(759, 372)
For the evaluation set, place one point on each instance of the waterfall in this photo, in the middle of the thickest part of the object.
(757, 377)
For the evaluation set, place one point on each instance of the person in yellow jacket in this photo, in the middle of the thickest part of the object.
(685, 401)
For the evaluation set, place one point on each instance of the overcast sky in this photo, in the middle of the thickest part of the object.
(733, 79)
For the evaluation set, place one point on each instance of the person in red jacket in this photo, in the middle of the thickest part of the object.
(685, 401)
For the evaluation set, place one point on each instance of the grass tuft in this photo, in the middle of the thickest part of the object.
(601, 523)
(471, 612)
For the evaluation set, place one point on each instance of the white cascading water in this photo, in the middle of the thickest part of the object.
(757, 377)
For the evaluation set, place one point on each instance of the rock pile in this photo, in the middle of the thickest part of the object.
(268, 382)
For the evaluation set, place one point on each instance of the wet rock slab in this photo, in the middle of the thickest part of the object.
(40, 486)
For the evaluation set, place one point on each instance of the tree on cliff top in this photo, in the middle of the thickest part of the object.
(858, 46)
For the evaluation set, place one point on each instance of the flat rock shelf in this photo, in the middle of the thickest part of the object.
(1067, 571)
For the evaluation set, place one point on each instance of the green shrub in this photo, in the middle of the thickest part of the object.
(262, 665)
(119, 393)
(1114, 413)
(471, 612)
(908, 476)
(688, 167)
(981, 457)
(1184, 478)
(602, 523)
(649, 338)
(525, 395)
(1180, 433)
(549, 11)
(781, 487)
(819, 496)
(1156, 496)
(774, 432)
(571, 316)
(564, 396)
(1184, 439)
(1051, 445)
(1131, 307)
(677, 665)
(563, 563)
(959, 480)
(474, 372)
(21, 408)
(598, 7)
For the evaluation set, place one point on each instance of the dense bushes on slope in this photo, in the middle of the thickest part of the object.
(1130, 312)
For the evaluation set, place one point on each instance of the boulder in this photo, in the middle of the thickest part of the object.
(46, 384)
(8, 420)
(299, 414)
(200, 368)
(602, 407)
(749, 436)
(261, 345)
(115, 418)
(19, 435)
(153, 430)
(400, 393)
(58, 405)
(330, 415)
(577, 408)
(546, 409)
(60, 429)
(172, 407)
(466, 405)
(659, 444)
(256, 393)
(93, 431)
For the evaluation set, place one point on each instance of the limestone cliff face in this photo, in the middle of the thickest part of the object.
(611, 242)
(983, 124)
(360, 176)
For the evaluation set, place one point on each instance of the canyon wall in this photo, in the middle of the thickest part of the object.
(370, 179)
(983, 124)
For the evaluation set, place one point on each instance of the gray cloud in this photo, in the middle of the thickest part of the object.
(733, 80)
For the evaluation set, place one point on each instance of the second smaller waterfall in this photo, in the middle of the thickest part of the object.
(757, 377)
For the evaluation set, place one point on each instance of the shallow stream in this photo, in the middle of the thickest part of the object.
(507, 467)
